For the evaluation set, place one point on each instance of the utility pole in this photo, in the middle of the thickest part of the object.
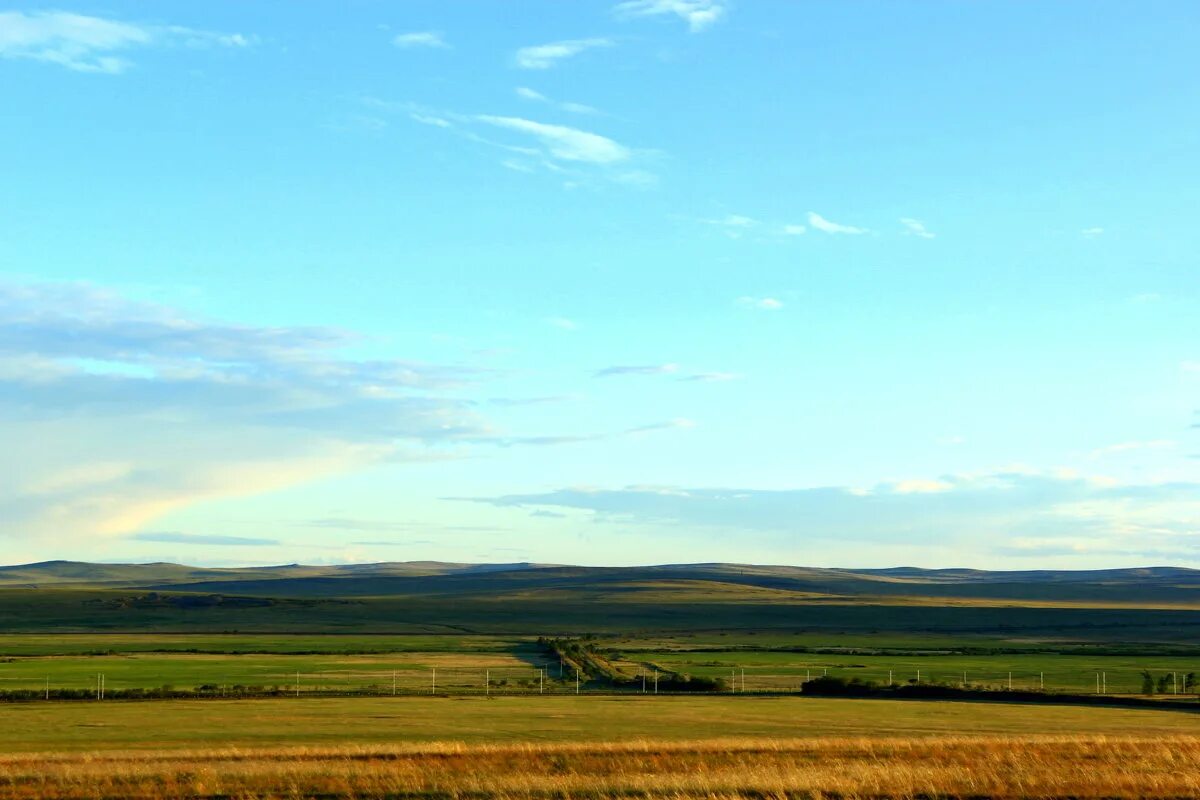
(1042, 681)
(918, 676)
(576, 680)
(643, 683)
(889, 677)
(393, 683)
(743, 679)
(1097, 683)
(433, 686)
(1174, 684)
(656, 680)
(47, 687)
(487, 682)
(1104, 682)
(1010, 681)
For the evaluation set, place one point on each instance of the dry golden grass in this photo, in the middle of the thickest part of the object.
(961, 767)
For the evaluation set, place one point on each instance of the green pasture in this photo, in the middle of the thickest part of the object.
(407, 671)
(282, 643)
(775, 670)
(380, 720)
(463, 663)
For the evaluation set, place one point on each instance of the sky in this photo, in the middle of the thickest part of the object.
(852, 284)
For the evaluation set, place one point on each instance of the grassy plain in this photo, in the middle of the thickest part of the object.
(777, 624)
(997, 767)
(179, 724)
(771, 661)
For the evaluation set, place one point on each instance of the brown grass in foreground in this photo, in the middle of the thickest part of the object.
(966, 767)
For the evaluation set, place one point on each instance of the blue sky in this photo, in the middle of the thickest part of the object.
(852, 284)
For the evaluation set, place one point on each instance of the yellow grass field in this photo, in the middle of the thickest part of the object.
(845, 768)
(593, 747)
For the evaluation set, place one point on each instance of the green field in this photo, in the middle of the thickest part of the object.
(764, 671)
(324, 721)
(771, 662)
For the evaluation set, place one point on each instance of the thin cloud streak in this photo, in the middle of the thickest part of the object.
(545, 56)
(93, 44)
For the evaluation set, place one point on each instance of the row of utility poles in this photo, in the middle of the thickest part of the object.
(649, 682)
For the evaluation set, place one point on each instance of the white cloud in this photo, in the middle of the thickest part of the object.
(734, 221)
(1126, 447)
(565, 143)
(525, 93)
(817, 222)
(698, 14)
(1190, 366)
(761, 303)
(517, 166)
(530, 94)
(94, 44)
(1091, 233)
(916, 228)
(427, 119)
(563, 323)
(733, 225)
(637, 369)
(420, 39)
(114, 412)
(577, 108)
(544, 56)
(793, 230)
(989, 511)
(710, 377)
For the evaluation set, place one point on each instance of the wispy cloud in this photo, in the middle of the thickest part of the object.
(637, 369)
(914, 227)
(563, 142)
(817, 222)
(568, 439)
(733, 225)
(698, 14)
(94, 44)
(572, 154)
(429, 119)
(544, 56)
(202, 539)
(525, 93)
(1127, 447)
(1091, 233)
(736, 226)
(997, 507)
(760, 303)
(710, 377)
(562, 323)
(115, 412)
(416, 39)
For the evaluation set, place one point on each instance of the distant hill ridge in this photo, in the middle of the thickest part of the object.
(435, 577)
